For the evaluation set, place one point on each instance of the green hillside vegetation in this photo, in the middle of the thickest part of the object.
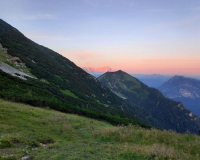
(61, 79)
(43, 95)
(69, 93)
(170, 114)
(44, 134)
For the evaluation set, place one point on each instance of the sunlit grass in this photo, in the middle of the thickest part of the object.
(69, 93)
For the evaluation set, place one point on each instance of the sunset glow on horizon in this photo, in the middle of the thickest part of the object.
(138, 37)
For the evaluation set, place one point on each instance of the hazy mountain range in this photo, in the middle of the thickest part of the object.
(152, 80)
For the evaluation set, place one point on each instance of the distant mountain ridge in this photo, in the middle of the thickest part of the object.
(180, 86)
(170, 114)
(185, 90)
(100, 69)
(152, 80)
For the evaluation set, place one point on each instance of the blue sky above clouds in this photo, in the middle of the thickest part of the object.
(138, 36)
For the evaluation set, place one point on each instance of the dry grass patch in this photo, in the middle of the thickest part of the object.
(152, 143)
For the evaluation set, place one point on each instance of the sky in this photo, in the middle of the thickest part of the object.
(136, 36)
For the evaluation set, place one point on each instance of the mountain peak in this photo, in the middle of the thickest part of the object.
(119, 75)
(177, 77)
(180, 86)
(181, 79)
(119, 71)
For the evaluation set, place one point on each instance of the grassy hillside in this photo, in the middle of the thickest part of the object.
(47, 134)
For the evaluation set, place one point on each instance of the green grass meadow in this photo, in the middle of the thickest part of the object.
(41, 134)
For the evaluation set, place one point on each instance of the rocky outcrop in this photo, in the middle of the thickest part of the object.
(16, 61)
(3, 49)
(14, 72)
